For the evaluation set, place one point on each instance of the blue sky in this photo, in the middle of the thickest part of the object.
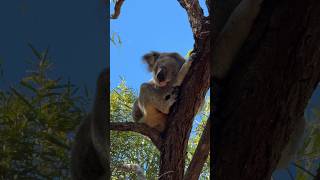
(75, 31)
(145, 26)
(154, 25)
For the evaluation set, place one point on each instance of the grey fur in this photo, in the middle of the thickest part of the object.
(157, 96)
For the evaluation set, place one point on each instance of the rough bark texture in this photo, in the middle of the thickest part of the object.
(267, 90)
(173, 150)
(173, 142)
(117, 9)
(192, 93)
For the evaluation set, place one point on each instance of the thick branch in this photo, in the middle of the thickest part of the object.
(151, 133)
(192, 93)
(117, 9)
(200, 156)
(195, 14)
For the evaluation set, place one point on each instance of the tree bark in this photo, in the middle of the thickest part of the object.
(192, 93)
(173, 150)
(173, 142)
(143, 129)
(267, 90)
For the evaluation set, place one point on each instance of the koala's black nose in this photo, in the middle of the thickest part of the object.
(161, 76)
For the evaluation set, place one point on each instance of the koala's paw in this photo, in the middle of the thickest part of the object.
(171, 97)
(192, 56)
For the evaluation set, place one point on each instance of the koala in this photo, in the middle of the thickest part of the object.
(160, 93)
(89, 159)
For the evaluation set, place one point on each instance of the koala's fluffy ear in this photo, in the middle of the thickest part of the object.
(150, 59)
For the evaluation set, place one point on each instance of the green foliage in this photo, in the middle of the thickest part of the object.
(115, 39)
(310, 152)
(188, 54)
(37, 120)
(133, 148)
(129, 147)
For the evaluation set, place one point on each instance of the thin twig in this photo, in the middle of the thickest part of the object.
(117, 9)
(120, 97)
(303, 169)
(165, 174)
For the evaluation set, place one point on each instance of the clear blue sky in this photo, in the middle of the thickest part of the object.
(145, 26)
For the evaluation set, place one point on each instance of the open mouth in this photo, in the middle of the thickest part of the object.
(162, 84)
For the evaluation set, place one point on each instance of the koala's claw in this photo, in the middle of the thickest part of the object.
(170, 99)
(167, 97)
(173, 94)
(192, 56)
(176, 89)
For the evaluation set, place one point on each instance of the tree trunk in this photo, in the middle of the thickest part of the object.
(174, 148)
(267, 90)
(172, 143)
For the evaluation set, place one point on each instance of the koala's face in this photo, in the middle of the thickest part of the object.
(164, 67)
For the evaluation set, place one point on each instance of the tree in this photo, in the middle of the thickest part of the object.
(37, 120)
(129, 148)
(267, 89)
(173, 147)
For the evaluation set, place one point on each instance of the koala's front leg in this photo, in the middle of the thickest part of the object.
(160, 98)
(184, 70)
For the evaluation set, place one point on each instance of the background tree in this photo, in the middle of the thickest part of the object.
(130, 148)
(37, 120)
